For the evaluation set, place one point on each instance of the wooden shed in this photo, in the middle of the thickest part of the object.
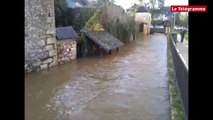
(101, 42)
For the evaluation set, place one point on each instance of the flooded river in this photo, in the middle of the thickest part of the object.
(128, 85)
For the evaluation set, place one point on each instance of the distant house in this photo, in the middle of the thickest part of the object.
(143, 17)
(101, 42)
(66, 44)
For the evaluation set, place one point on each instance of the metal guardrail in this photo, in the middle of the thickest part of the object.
(181, 72)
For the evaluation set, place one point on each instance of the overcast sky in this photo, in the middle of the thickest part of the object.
(128, 3)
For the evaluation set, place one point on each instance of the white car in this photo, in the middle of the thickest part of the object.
(177, 28)
(159, 26)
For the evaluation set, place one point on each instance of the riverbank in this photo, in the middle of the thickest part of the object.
(176, 108)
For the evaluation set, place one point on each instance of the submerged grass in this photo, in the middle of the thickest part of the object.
(176, 107)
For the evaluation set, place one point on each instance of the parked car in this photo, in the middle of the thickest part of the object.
(159, 26)
(178, 28)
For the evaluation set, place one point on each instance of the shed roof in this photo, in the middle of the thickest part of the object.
(142, 9)
(66, 33)
(104, 39)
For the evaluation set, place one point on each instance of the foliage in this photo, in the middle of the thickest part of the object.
(102, 3)
(119, 30)
(62, 14)
(181, 19)
(76, 17)
(141, 2)
(118, 23)
(114, 20)
(162, 22)
(155, 4)
(132, 10)
(151, 4)
(164, 11)
(93, 20)
(186, 37)
(93, 3)
(168, 23)
(157, 22)
(84, 45)
(161, 3)
(156, 8)
(80, 16)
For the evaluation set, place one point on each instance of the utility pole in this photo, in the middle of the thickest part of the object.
(174, 19)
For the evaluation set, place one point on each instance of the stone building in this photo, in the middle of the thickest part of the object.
(40, 43)
(143, 17)
(66, 44)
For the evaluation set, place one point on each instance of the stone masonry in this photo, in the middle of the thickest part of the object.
(40, 42)
(146, 19)
(66, 50)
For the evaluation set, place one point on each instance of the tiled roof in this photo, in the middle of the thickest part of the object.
(104, 39)
(142, 9)
(66, 33)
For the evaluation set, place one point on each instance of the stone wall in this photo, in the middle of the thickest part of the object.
(40, 43)
(146, 30)
(66, 50)
(144, 18)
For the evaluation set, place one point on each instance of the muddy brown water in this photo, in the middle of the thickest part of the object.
(128, 85)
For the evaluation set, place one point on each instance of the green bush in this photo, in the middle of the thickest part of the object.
(93, 20)
(62, 13)
(186, 37)
(80, 16)
(116, 26)
(84, 45)
(157, 22)
(174, 36)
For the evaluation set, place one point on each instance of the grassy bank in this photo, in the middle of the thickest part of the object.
(176, 108)
(186, 37)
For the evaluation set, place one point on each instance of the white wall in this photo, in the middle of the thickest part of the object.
(143, 18)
